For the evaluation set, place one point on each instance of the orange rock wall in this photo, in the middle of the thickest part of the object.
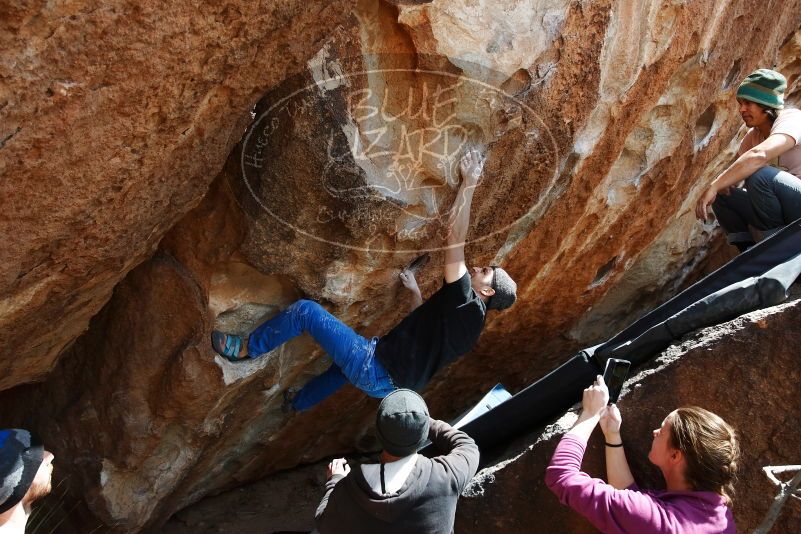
(114, 119)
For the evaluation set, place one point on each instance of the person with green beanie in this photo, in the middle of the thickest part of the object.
(769, 163)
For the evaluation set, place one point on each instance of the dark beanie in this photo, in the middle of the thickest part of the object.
(402, 422)
(21, 454)
(764, 86)
(505, 290)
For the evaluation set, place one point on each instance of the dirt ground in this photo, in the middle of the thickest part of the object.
(285, 502)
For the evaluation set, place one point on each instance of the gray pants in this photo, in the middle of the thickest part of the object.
(770, 200)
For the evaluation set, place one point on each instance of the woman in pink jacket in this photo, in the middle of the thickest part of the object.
(696, 451)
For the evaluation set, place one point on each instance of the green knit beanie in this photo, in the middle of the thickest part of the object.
(764, 86)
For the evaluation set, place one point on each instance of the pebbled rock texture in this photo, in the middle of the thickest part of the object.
(173, 169)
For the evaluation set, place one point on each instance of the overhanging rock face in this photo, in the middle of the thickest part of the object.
(114, 119)
(744, 370)
(293, 152)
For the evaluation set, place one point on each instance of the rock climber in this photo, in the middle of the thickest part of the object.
(769, 160)
(434, 334)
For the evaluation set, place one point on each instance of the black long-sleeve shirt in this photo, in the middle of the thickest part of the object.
(444, 327)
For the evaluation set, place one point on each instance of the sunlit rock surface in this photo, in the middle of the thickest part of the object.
(169, 172)
(114, 119)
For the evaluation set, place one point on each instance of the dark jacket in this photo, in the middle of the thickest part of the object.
(425, 504)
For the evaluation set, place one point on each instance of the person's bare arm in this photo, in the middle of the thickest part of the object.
(593, 402)
(470, 167)
(410, 283)
(743, 167)
(618, 472)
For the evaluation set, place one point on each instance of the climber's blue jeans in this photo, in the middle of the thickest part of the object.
(770, 200)
(353, 355)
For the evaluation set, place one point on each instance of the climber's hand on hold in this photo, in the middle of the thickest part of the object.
(470, 166)
(409, 281)
(704, 203)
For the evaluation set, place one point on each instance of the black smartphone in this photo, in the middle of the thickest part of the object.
(615, 374)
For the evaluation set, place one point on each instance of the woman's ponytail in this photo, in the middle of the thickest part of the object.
(710, 447)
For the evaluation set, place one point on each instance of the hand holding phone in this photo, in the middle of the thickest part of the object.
(615, 374)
